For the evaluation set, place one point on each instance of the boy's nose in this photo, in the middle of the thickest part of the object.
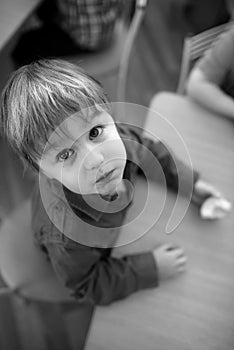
(93, 160)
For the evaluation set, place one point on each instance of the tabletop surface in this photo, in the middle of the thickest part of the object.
(12, 15)
(195, 310)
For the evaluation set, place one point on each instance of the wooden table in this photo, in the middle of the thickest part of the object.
(195, 310)
(12, 14)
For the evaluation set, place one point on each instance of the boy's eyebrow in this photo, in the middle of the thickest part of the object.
(57, 144)
(51, 146)
(63, 134)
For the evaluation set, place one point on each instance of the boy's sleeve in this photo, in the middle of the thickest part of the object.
(149, 151)
(94, 276)
(173, 168)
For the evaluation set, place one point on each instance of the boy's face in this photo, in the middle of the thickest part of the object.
(88, 156)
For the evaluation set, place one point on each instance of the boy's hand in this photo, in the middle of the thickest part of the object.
(170, 260)
(214, 205)
(215, 208)
(205, 189)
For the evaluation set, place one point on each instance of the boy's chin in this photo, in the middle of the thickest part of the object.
(112, 190)
(108, 192)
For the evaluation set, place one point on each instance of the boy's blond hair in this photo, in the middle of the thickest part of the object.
(38, 97)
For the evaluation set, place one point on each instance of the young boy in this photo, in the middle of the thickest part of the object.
(57, 118)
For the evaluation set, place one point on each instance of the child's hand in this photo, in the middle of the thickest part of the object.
(214, 206)
(206, 190)
(170, 260)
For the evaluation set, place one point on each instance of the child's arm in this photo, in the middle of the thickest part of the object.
(150, 153)
(211, 203)
(210, 82)
(92, 275)
(209, 94)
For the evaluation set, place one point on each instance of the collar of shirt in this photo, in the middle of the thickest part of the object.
(92, 205)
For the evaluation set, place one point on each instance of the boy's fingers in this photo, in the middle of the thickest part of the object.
(167, 247)
(181, 265)
(175, 251)
(206, 188)
(172, 247)
(178, 252)
(182, 261)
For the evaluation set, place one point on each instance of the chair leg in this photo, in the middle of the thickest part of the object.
(55, 331)
(124, 63)
(9, 333)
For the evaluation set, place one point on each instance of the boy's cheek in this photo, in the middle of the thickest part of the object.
(73, 182)
(47, 173)
(123, 150)
(116, 151)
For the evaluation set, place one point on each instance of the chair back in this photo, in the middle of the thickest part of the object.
(115, 58)
(24, 267)
(194, 47)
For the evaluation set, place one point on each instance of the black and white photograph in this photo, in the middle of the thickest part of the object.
(117, 174)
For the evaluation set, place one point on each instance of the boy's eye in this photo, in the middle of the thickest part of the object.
(65, 154)
(95, 132)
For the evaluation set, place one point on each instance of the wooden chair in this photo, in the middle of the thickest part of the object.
(115, 58)
(194, 47)
(29, 277)
(23, 266)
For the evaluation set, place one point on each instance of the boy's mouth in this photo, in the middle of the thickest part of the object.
(105, 176)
